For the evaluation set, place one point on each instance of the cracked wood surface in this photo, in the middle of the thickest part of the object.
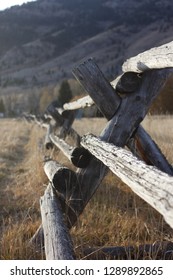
(152, 185)
(118, 131)
(94, 82)
(146, 88)
(57, 241)
(155, 58)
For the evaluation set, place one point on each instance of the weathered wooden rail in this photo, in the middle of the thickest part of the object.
(124, 103)
(58, 244)
(154, 186)
(78, 156)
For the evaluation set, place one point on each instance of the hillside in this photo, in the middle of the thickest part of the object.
(42, 41)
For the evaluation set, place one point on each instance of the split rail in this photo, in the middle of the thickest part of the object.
(124, 103)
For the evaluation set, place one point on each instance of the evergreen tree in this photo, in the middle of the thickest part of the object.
(65, 93)
(2, 107)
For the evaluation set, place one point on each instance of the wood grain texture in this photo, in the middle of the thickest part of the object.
(155, 58)
(152, 185)
(64, 181)
(61, 177)
(142, 95)
(57, 241)
(134, 107)
(118, 131)
(142, 146)
(99, 89)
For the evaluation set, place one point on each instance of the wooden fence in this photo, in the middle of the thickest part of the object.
(124, 103)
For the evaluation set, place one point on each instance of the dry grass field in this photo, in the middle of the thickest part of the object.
(114, 217)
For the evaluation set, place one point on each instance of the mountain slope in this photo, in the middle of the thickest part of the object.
(41, 41)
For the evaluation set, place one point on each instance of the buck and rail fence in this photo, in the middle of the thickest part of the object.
(124, 103)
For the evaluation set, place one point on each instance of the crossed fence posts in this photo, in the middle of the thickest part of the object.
(124, 103)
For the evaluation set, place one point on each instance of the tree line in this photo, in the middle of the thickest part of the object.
(37, 100)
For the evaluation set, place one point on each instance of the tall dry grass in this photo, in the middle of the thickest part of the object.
(21, 184)
(115, 216)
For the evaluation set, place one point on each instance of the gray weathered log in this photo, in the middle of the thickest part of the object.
(60, 176)
(146, 149)
(64, 181)
(69, 117)
(74, 136)
(86, 101)
(51, 109)
(155, 58)
(64, 113)
(83, 102)
(152, 185)
(155, 156)
(48, 143)
(118, 131)
(94, 174)
(93, 80)
(58, 244)
(63, 124)
(123, 83)
(134, 107)
(158, 250)
(77, 155)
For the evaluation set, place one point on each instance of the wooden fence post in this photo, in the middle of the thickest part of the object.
(48, 143)
(78, 156)
(155, 58)
(63, 123)
(83, 102)
(64, 181)
(125, 116)
(58, 244)
(62, 178)
(152, 185)
(124, 82)
(119, 129)
(51, 109)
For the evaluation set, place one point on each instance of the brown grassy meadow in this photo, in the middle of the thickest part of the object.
(114, 217)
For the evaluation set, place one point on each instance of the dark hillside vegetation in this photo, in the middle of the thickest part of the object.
(42, 41)
(67, 23)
